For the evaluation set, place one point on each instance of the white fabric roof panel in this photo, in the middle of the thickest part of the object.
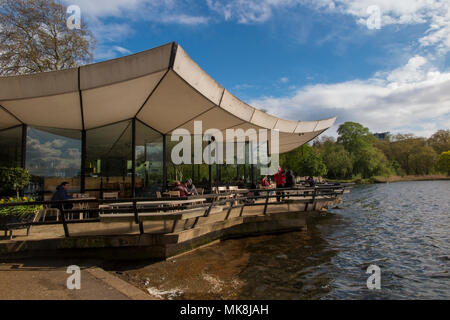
(125, 68)
(215, 118)
(196, 77)
(236, 107)
(7, 120)
(117, 102)
(163, 87)
(60, 111)
(173, 104)
(38, 85)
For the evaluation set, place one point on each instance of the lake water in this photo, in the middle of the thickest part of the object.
(404, 228)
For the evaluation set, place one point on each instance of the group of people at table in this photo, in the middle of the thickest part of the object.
(283, 179)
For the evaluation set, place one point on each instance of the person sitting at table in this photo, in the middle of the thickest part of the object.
(181, 188)
(290, 179)
(310, 182)
(61, 195)
(191, 188)
(265, 183)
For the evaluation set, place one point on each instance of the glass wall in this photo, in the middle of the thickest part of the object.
(11, 147)
(53, 156)
(149, 160)
(198, 173)
(109, 162)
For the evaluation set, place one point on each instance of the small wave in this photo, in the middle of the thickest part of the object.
(169, 294)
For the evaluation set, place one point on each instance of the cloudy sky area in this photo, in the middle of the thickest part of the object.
(302, 59)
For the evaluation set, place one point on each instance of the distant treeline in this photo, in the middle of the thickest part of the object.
(358, 154)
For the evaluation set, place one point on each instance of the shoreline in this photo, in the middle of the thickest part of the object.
(392, 179)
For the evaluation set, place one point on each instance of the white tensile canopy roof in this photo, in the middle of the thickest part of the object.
(162, 87)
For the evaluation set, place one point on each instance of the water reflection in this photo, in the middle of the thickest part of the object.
(403, 228)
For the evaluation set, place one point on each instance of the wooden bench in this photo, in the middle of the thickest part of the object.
(174, 217)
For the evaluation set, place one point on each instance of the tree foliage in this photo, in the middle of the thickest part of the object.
(357, 153)
(14, 179)
(304, 161)
(338, 161)
(34, 37)
(443, 163)
(440, 141)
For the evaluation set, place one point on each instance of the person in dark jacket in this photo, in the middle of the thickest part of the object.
(61, 195)
(290, 180)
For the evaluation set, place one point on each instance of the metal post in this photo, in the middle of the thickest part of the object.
(267, 203)
(24, 145)
(83, 162)
(164, 163)
(133, 156)
(63, 219)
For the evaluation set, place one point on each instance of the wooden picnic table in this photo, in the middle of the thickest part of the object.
(156, 203)
(82, 204)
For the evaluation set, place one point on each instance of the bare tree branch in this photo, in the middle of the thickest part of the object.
(34, 38)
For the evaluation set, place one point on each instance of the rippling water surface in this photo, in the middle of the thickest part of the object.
(404, 228)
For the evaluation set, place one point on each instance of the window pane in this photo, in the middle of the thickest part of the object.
(109, 160)
(53, 156)
(149, 161)
(11, 147)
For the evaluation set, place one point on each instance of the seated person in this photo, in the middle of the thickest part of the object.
(192, 190)
(61, 195)
(290, 180)
(181, 188)
(310, 182)
(265, 183)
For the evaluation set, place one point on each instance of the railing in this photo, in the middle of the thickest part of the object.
(238, 199)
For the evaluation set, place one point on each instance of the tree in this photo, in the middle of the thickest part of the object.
(440, 141)
(338, 161)
(443, 163)
(34, 37)
(304, 161)
(422, 160)
(354, 136)
(14, 179)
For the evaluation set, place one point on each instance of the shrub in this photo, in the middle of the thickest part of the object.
(14, 179)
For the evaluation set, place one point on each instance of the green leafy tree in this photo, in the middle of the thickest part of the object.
(443, 162)
(354, 137)
(422, 160)
(338, 161)
(440, 141)
(304, 161)
(14, 179)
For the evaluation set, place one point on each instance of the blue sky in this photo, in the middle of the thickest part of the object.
(301, 59)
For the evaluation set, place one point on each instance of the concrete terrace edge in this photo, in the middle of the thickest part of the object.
(153, 246)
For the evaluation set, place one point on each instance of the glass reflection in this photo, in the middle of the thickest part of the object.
(149, 160)
(109, 160)
(11, 147)
(53, 156)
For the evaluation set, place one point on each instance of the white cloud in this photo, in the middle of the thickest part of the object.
(414, 98)
(161, 11)
(435, 13)
(110, 52)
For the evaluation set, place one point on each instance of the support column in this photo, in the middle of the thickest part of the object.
(164, 188)
(83, 162)
(24, 146)
(133, 155)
